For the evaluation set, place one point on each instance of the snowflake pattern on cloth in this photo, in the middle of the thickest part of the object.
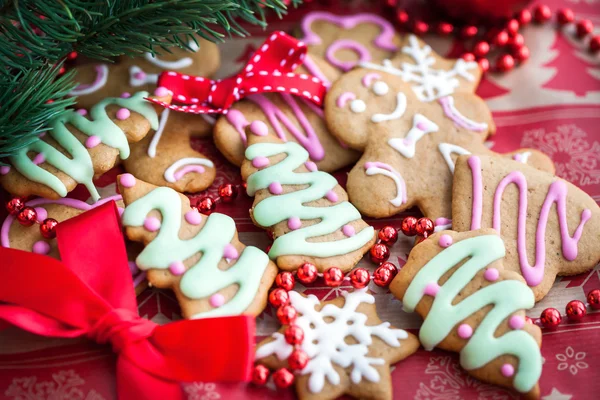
(65, 385)
(324, 341)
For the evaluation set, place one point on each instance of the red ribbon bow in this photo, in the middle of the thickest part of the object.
(91, 294)
(270, 69)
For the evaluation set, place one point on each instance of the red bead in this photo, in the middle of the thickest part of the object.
(468, 57)
(278, 297)
(565, 16)
(595, 44)
(260, 374)
(48, 228)
(285, 280)
(500, 39)
(333, 277)
(27, 216)
(388, 235)
(550, 318)
(542, 13)
(402, 17)
(391, 3)
(522, 54)
(307, 273)
(62, 70)
(206, 205)
(505, 63)
(15, 205)
(576, 310)
(359, 278)
(468, 32)
(584, 28)
(593, 299)
(379, 253)
(444, 28)
(425, 227)
(524, 17)
(484, 63)
(298, 360)
(390, 267)
(283, 378)
(409, 226)
(512, 27)
(72, 55)
(516, 42)
(49, 101)
(286, 314)
(481, 48)
(294, 335)
(384, 274)
(228, 192)
(420, 28)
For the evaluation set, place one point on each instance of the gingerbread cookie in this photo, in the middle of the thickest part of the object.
(407, 142)
(474, 306)
(80, 146)
(350, 350)
(306, 210)
(199, 257)
(549, 226)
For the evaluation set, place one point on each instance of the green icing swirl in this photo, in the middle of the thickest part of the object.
(79, 165)
(275, 209)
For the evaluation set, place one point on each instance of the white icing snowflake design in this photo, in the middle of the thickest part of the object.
(324, 334)
(429, 83)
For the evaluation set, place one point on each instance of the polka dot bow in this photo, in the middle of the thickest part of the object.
(270, 69)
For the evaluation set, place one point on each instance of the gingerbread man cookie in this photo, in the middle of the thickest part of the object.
(80, 146)
(350, 350)
(407, 142)
(549, 226)
(471, 304)
(199, 257)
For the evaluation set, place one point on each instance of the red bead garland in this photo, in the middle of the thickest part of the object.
(286, 314)
(359, 278)
(206, 205)
(575, 310)
(593, 299)
(279, 297)
(307, 273)
(542, 13)
(550, 318)
(565, 16)
(584, 28)
(260, 374)
(283, 378)
(595, 44)
(285, 280)
(48, 228)
(425, 227)
(294, 335)
(15, 205)
(388, 235)
(27, 216)
(298, 359)
(409, 226)
(228, 192)
(379, 253)
(333, 277)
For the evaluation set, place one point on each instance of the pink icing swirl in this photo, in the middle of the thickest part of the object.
(368, 79)
(344, 98)
(346, 44)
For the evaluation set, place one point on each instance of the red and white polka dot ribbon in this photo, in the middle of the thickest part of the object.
(270, 69)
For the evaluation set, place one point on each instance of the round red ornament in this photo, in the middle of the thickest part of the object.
(593, 299)
(228, 192)
(72, 55)
(298, 359)
(48, 228)
(565, 16)
(550, 318)
(444, 28)
(260, 374)
(420, 28)
(468, 32)
(283, 378)
(584, 28)
(333, 277)
(206, 205)
(542, 13)
(425, 227)
(524, 17)
(500, 39)
(286, 314)
(512, 27)
(359, 278)
(409, 226)
(484, 64)
(15, 205)
(285, 280)
(307, 273)
(576, 310)
(391, 267)
(504, 63)
(379, 253)
(27, 216)
(468, 57)
(402, 17)
(382, 276)
(481, 48)
(294, 334)
(516, 42)
(595, 44)
(522, 54)
(388, 235)
(278, 297)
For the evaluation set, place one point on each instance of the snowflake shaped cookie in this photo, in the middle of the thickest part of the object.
(350, 349)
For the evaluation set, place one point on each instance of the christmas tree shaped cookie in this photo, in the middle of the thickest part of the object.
(549, 226)
(199, 257)
(472, 305)
(350, 350)
(305, 209)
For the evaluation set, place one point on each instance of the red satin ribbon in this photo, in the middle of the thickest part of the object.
(90, 293)
(270, 69)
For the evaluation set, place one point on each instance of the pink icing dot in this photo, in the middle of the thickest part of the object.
(123, 113)
(332, 196)
(230, 252)
(193, 217)
(39, 159)
(260, 161)
(127, 180)
(217, 300)
(348, 230)
(92, 141)
(465, 331)
(311, 166)
(177, 268)
(491, 274)
(42, 214)
(445, 240)
(152, 224)
(81, 111)
(431, 289)
(125, 95)
(507, 370)
(275, 188)
(259, 128)
(294, 223)
(161, 91)
(41, 247)
(516, 322)
(5, 169)
(140, 75)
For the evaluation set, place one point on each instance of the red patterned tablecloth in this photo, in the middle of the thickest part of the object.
(552, 103)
